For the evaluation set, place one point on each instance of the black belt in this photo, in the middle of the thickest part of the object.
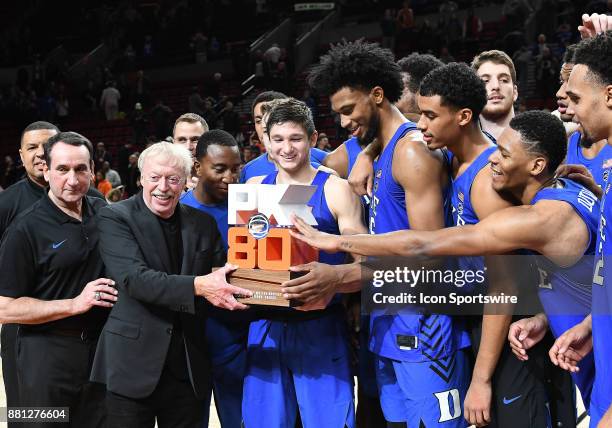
(82, 333)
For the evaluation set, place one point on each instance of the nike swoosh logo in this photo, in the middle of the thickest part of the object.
(58, 244)
(511, 400)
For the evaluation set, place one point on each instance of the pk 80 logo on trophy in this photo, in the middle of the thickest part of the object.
(259, 241)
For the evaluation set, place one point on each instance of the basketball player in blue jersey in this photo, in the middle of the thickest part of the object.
(369, 413)
(299, 358)
(414, 68)
(363, 82)
(557, 219)
(580, 150)
(264, 164)
(590, 101)
(343, 157)
(497, 71)
(217, 165)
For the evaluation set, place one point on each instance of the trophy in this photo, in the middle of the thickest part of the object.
(259, 240)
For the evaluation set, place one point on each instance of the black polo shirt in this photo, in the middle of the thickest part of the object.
(21, 196)
(48, 255)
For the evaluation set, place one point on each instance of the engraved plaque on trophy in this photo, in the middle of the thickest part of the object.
(259, 241)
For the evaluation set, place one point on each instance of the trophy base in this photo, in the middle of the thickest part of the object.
(265, 285)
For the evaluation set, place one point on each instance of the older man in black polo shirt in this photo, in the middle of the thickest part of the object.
(17, 198)
(53, 285)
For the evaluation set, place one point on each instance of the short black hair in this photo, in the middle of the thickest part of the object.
(458, 85)
(417, 66)
(266, 97)
(214, 137)
(568, 55)
(72, 138)
(359, 65)
(542, 133)
(596, 54)
(290, 110)
(37, 126)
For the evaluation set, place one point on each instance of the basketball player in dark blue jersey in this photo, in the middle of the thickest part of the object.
(414, 67)
(450, 108)
(593, 155)
(590, 101)
(300, 358)
(557, 219)
(264, 163)
(217, 164)
(363, 82)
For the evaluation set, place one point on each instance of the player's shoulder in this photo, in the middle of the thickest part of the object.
(255, 162)
(485, 199)
(338, 190)
(411, 146)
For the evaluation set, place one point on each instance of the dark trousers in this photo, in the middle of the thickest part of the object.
(526, 393)
(8, 337)
(173, 403)
(53, 370)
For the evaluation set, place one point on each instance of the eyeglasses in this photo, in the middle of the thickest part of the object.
(172, 180)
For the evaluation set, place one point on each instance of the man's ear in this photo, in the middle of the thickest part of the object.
(609, 96)
(313, 139)
(464, 116)
(514, 93)
(378, 94)
(196, 166)
(538, 165)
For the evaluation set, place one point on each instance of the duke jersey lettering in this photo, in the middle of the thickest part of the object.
(565, 292)
(434, 336)
(594, 165)
(601, 398)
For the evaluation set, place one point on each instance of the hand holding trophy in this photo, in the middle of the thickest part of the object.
(260, 242)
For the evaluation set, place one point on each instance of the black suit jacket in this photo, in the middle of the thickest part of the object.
(135, 339)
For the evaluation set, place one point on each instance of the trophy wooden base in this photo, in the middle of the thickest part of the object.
(265, 285)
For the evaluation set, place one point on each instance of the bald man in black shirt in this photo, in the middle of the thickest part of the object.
(53, 286)
(14, 200)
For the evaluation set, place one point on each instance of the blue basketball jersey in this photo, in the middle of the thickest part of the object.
(462, 210)
(318, 155)
(437, 336)
(595, 165)
(352, 150)
(326, 222)
(565, 292)
(601, 398)
(218, 212)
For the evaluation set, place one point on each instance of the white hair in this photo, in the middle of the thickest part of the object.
(179, 154)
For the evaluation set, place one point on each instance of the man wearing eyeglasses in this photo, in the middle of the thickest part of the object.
(152, 354)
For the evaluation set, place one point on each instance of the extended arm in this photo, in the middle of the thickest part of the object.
(504, 231)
